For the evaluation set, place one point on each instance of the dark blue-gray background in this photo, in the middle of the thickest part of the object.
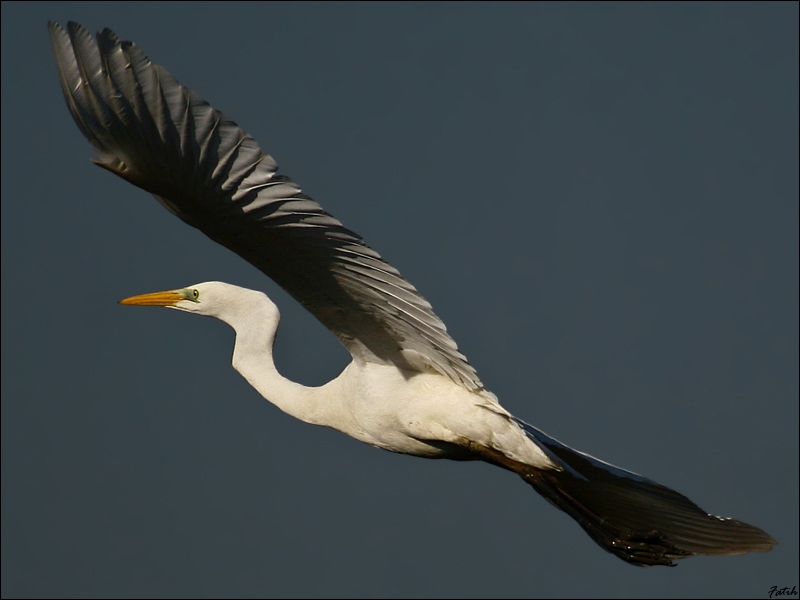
(601, 202)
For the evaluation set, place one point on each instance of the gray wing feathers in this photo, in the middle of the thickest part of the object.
(204, 168)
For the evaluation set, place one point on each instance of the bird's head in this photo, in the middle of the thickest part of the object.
(212, 298)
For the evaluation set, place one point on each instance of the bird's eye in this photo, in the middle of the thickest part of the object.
(195, 294)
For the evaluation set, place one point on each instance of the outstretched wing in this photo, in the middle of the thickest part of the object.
(164, 138)
(636, 519)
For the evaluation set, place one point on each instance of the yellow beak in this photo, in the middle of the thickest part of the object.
(168, 298)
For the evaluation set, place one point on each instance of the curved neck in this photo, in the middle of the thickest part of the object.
(252, 357)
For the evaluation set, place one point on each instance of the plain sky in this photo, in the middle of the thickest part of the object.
(599, 200)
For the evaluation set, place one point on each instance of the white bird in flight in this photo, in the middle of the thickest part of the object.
(408, 389)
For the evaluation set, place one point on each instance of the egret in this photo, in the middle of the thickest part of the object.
(408, 389)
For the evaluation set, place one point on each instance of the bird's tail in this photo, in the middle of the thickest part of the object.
(634, 518)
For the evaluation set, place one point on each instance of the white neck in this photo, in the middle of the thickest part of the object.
(252, 356)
